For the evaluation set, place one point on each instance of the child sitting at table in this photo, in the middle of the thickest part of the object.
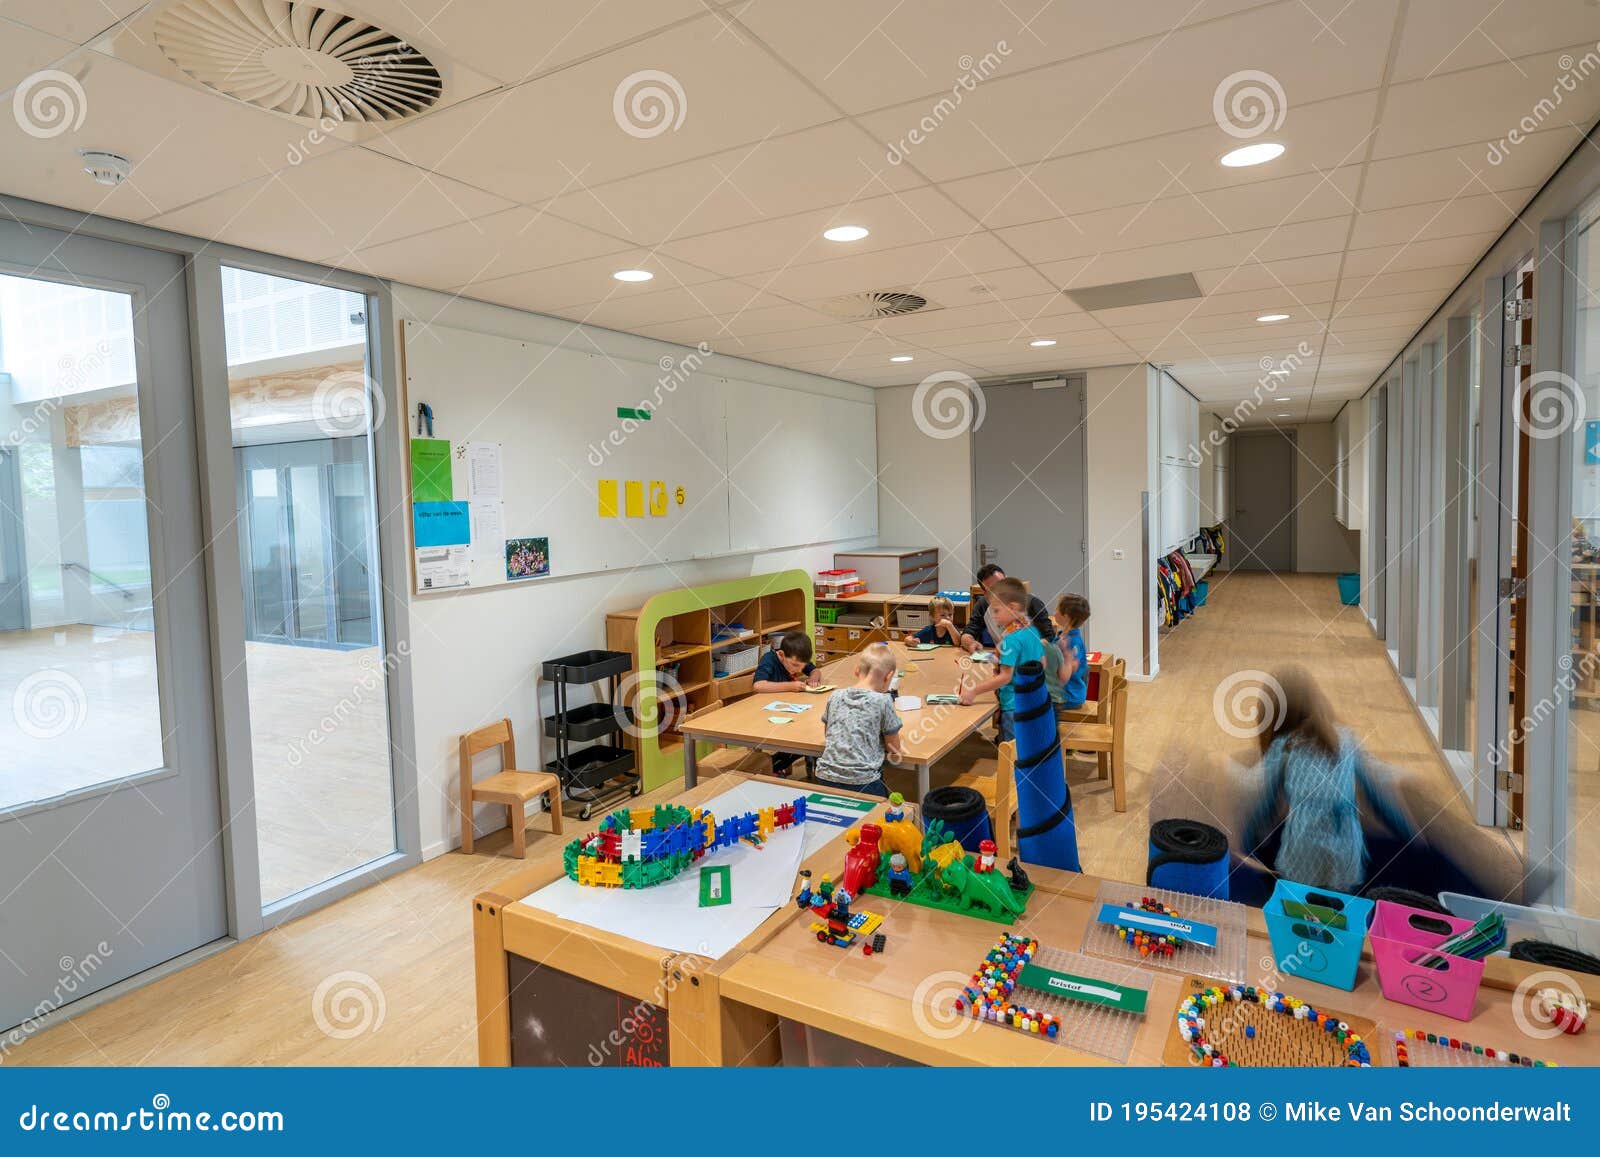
(942, 630)
(786, 667)
(860, 725)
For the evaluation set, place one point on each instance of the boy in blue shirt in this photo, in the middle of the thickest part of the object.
(942, 630)
(786, 667)
(1020, 643)
(1072, 611)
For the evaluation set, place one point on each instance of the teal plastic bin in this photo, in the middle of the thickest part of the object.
(1306, 940)
(1201, 590)
(1350, 589)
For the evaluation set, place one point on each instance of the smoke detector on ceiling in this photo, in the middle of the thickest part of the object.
(110, 169)
(873, 304)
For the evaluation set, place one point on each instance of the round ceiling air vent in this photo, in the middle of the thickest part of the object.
(874, 303)
(300, 59)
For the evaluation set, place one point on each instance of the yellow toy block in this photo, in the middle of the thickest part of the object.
(946, 854)
(766, 820)
(643, 818)
(599, 873)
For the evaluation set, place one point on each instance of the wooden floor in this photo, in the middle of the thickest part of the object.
(403, 948)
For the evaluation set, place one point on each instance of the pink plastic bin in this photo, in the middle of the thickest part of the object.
(1400, 936)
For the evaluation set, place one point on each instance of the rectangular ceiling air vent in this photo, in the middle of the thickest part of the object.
(1148, 291)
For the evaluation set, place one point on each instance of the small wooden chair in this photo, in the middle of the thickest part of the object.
(1104, 733)
(507, 786)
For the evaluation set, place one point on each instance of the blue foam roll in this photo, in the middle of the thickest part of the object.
(1188, 856)
(1048, 833)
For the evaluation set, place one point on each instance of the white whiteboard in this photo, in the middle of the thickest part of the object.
(801, 466)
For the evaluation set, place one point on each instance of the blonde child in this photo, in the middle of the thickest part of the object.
(860, 726)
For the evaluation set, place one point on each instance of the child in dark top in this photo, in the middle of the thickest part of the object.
(1072, 611)
(786, 667)
(942, 629)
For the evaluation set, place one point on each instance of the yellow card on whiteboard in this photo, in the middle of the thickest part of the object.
(658, 498)
(608, 498)
(634, 499)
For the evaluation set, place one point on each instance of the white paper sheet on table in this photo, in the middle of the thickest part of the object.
(669, 916)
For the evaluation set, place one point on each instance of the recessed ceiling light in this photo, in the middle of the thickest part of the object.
(901, 358)
(1273, 317)
(633, 275)
(1278, 373)
(1283, 415)
(845, 233)
(1043, 341)
(1258, 154)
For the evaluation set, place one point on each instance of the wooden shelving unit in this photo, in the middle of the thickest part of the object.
(675, 634)
(872, 618)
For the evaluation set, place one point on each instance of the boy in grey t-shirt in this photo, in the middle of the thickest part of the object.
(860, 725)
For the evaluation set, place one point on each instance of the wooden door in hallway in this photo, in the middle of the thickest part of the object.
(1263, 501)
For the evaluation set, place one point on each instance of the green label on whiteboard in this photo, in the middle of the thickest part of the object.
(641, 415)
(840, 802)
(1083, 988)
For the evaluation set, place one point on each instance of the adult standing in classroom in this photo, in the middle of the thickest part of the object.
(980, 632)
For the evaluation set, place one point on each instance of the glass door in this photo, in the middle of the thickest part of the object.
(303, 410)
(110, 823)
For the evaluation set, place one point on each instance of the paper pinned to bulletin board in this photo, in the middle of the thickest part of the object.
(431, 475)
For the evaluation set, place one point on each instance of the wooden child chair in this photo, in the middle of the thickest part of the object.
(507, 786)
(1103, 732)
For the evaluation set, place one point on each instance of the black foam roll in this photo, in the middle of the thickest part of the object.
(1548, 955)
(1410, 899)
(1188, 856)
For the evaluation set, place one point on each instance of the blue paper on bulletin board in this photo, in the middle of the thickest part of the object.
(1591, 443)
(441, 523)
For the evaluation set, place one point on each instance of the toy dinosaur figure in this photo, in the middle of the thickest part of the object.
(985, 890)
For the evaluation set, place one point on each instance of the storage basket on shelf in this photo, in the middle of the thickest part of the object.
(1316, 933)
(1410, 973)
(734, 660)
(911, 618)
(602, 771)
(828, 615)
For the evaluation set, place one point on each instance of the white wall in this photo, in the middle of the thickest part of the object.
(1321, 544)
(1124, 410)
(924, 488)
(475, 654)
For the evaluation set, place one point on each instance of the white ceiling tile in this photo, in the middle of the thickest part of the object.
(908, 218)
(497, 245)
(866, 55)
(1437, 219)
(184, 144)
(1443, 173)
(1447, 35)
(306, 210)
(830, 164)
(492, 36)
(907, 267)
(559, 133)
(570, 290)
(76, 20)
(1456, 108)
(1427, 254)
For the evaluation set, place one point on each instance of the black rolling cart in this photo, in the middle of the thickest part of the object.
(604, 770)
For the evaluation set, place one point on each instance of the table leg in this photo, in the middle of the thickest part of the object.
(922, 782)
(691, 763)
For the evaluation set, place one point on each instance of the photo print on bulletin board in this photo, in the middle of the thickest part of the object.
(527, 558)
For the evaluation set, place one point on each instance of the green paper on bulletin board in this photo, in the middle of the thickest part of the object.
(431, 480)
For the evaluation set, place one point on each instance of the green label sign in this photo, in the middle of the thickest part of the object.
(836, 801)
(625, 412)
(1083, 988)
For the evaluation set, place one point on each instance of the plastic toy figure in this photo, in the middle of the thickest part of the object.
(900, 881)
(836, 915)
(862, 860)
(986, 852)
(1019, 878)
(896, 811)
(802, 901)
(825, 888)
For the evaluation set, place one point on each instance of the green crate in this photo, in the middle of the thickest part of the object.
(827, 614)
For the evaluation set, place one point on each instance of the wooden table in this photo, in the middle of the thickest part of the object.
(874, 1001)
(930, 733)
(533, 967)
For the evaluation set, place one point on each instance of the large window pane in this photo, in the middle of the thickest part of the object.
(1583, 740)
(302, 415)
(79, 699)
